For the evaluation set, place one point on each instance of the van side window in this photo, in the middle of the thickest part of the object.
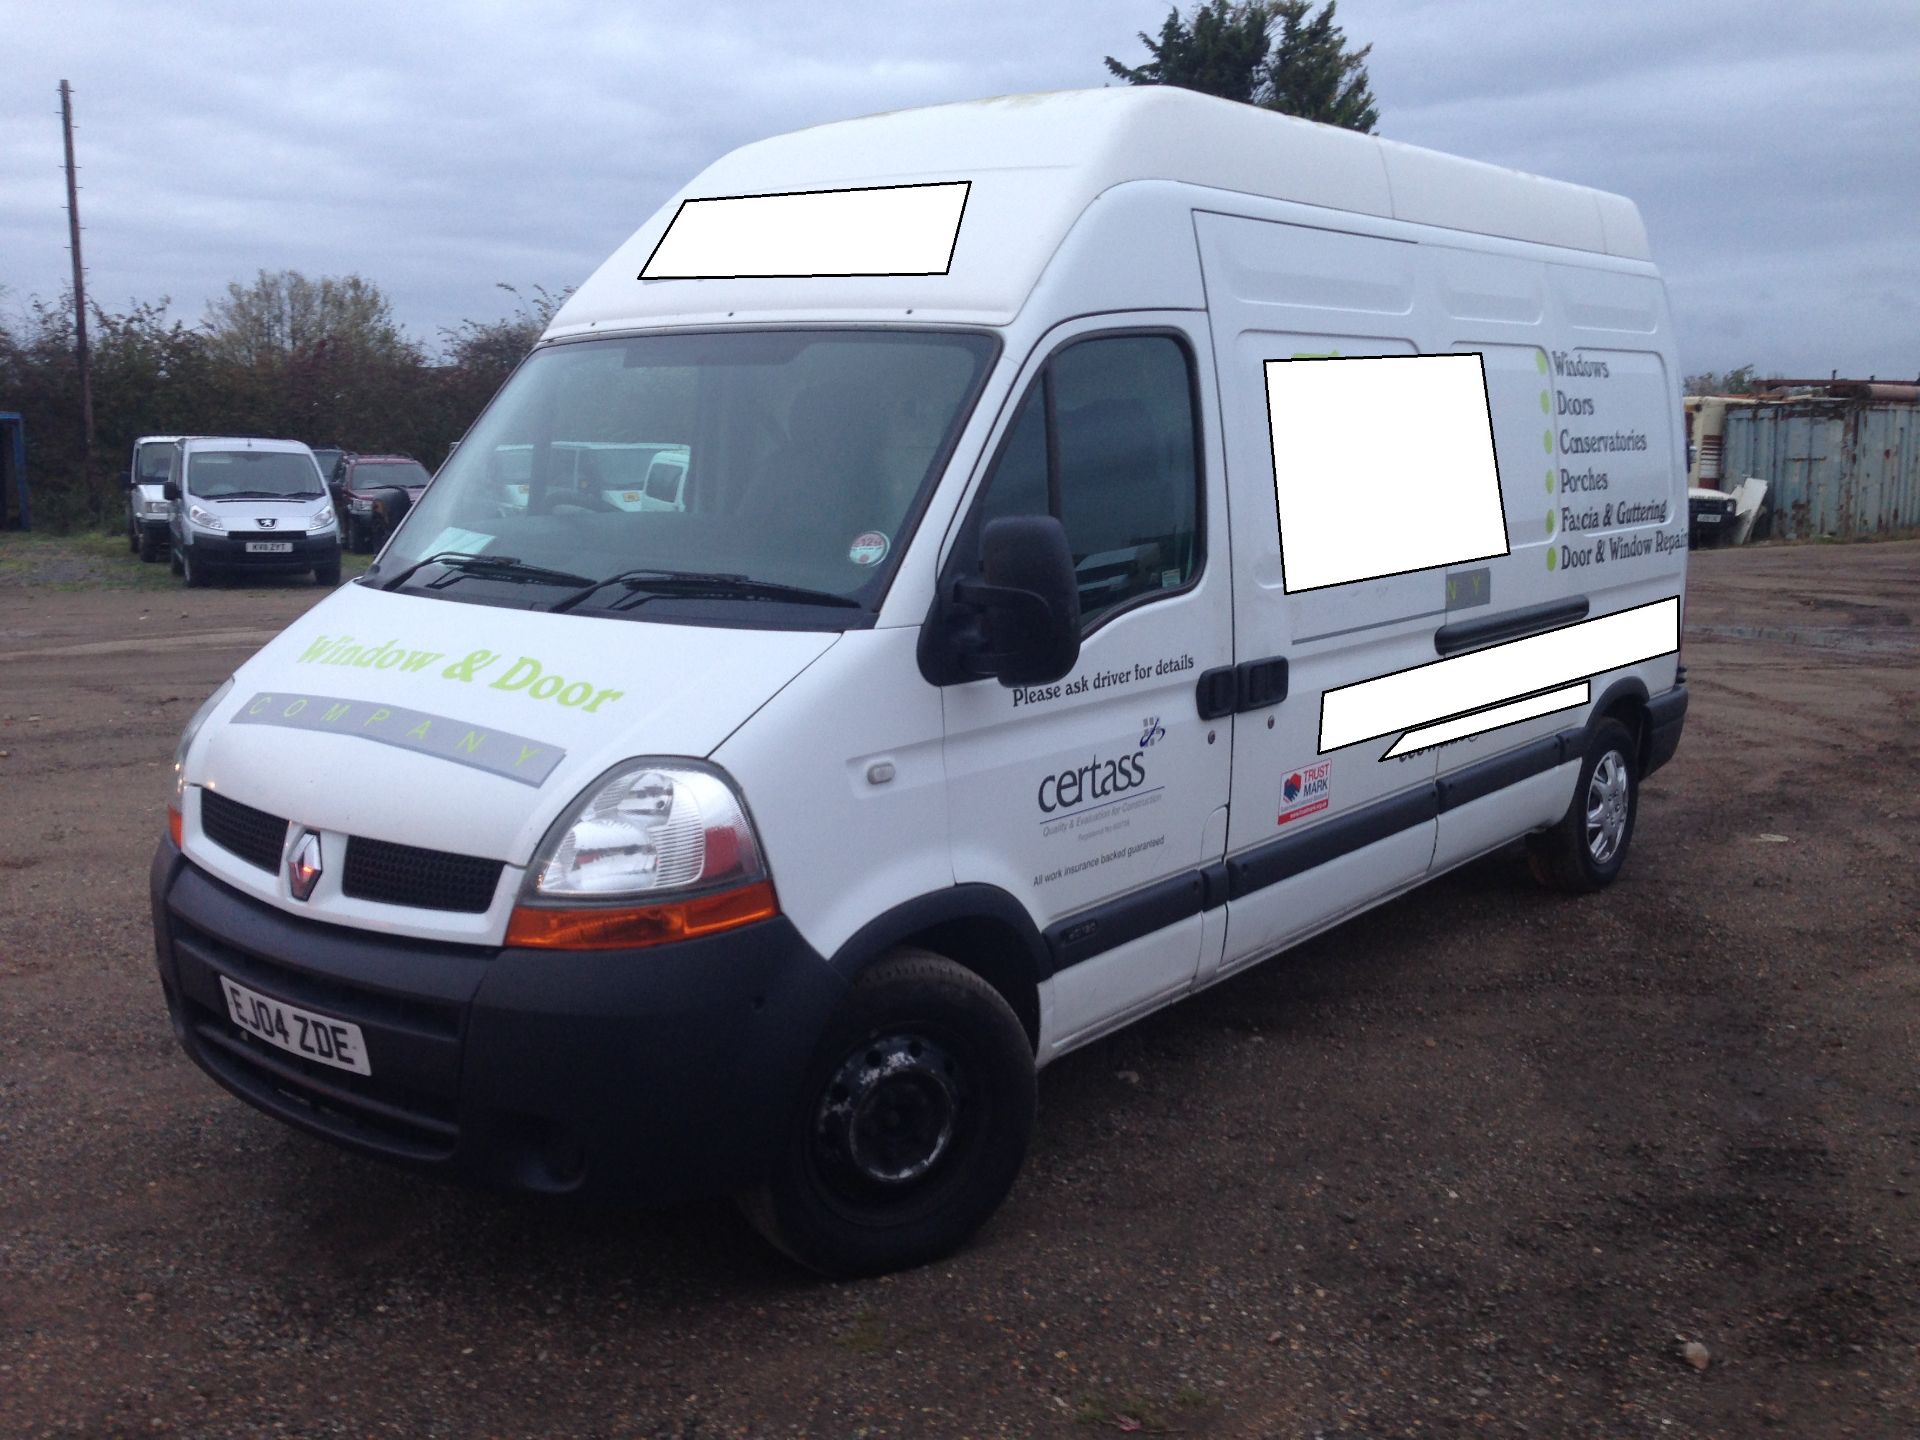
(1105, 442)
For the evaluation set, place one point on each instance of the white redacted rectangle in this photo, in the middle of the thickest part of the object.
(1382, 465)
(1512, 713)
(1455, 687)
(884, 230)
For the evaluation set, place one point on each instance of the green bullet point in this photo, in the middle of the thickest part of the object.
(1546, 403)
(1548, 439)
(1549, 522)
(1549, 482)
(1540, 361)
(1552, 562)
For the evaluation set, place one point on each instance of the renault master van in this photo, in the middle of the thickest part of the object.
(1121, 535)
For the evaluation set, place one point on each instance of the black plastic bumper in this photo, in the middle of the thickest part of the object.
(229, 552)
(648, 1075)
(1666, 715)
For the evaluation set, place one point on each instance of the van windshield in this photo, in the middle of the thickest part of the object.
(150, 467)
(744, 471)
(246, 474)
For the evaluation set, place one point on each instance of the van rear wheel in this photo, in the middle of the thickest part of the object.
(1585, 850)
(913, 1123)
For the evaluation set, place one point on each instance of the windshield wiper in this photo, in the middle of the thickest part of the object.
(644, 585)
(489, 567)
(265, 495)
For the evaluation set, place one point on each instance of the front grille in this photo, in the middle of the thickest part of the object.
(254, 835)
(426, 879)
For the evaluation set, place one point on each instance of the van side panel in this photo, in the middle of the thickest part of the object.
(1578, 359)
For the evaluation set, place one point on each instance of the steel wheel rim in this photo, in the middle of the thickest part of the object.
(890, 1114)
(1607, 807)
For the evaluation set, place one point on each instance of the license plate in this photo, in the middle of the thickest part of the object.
(1709, 518)
(269, 547)
(301, 1032)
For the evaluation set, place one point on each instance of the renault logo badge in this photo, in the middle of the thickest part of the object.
(303, 865)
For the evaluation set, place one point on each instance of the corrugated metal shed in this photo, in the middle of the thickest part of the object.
(1833, 465)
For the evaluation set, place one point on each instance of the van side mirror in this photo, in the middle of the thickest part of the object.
(169, 490)
(1018, 620)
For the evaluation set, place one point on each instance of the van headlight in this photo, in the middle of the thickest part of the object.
(175, 824)
(205, 518)
(322, 521)
(654, 851)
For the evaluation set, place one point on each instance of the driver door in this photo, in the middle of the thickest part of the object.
(1097, 799)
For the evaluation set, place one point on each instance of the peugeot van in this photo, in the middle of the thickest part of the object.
(243, 505)
(1111, 537)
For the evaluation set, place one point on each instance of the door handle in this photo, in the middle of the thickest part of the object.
(1233, 689)
(1260, 683)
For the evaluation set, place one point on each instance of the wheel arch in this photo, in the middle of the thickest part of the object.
(1626, 701)
(980, 927)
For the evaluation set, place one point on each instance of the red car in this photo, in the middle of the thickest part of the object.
(372, 493)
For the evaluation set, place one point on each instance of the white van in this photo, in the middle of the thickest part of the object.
(148, 509)
(238, 505)
(1047, 627)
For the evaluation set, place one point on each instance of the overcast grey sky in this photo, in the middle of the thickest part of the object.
(439, 146)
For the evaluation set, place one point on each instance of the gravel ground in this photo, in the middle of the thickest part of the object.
(1483, 1161)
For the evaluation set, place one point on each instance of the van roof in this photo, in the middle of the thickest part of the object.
(194, 444)
(1037, 161)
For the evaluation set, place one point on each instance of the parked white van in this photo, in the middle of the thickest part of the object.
(1122, 534)
(238, 504)
(148, 509)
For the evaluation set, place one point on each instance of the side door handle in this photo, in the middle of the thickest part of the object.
(1251, 685)
(1260, 683)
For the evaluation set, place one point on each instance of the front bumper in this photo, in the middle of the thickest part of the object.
(649, 1075)
(229, 552)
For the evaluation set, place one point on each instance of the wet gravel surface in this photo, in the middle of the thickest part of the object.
(1484, 1161)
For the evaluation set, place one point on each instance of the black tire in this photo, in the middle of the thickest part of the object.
(151, 550)
(174, 563)
(133, 536)
(1586, 849)
(912, 1125)
(195, 576)
(328, 574)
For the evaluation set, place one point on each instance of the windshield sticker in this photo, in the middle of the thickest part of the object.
(467, 542)
(498, 752)
(869, 548)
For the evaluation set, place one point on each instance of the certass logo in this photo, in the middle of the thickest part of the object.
(1097, 780)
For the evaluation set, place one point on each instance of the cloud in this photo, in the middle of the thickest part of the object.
(438, 148)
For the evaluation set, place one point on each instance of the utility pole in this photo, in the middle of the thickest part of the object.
(79, 296)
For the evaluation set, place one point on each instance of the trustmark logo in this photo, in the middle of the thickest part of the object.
(1306, 791)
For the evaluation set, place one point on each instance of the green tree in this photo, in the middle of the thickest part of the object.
(1277, 54)
(1220, 51)
(1741, 380)
(1313, 74)
(283, 313)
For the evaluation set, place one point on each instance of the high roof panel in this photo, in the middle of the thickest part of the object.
(1037, 161)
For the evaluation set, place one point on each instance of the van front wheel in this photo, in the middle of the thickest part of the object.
(1585, 851)
(912, 1125)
